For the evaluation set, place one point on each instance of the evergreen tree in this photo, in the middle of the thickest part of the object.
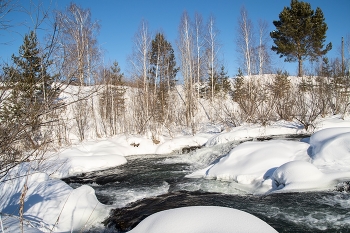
(31, 85)
(162, 73)
(219, 81)
(224, 81)
(112, 99)
(281, 85)
(212, 83)
(239, 86)
(300, 34)
(27, 108)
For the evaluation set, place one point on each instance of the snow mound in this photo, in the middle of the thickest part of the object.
(254, 161)
(50, 204)
(298, 175)
(331, 148)
(202, 219)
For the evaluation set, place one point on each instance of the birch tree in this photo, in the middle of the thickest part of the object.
(79, 56)
(212, 48)
(200, 48)
(245, 43)
(264, 59)
(186, 47)
(78, 43)
(140, 66)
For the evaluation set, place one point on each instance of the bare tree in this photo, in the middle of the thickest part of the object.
(78, 43)
(6, 6)
(140, 66)
(264, 59)
(200, 48)
(308, 107)
(79, 57)
(212, 48)
(186, 47)
(244, 40)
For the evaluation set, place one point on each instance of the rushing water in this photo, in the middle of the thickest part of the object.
(151, 183)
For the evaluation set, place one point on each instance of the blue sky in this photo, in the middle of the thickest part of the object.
(119, 20)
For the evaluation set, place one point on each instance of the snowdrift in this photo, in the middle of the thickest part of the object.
(49, 203)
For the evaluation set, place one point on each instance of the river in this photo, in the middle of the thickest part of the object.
(150, 183)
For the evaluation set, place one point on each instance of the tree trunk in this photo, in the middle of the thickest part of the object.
(300, 67)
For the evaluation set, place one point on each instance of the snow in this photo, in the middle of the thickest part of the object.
(298, 175)
(49, 203)
(181, 142)
(331, 148)
(85, 157)
(263, 167)
(106, 153)
(252, 161)
(279, 165)
(202, 219)
(253, 131)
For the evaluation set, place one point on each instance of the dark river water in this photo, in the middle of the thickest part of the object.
(151, 183)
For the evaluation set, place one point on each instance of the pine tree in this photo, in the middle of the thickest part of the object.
(224, 81)
(112, 99)
(219, 82)
(31, 85)
(239, 86)
(281, 85)
(162, 74)
(300, 34)
(25, 110)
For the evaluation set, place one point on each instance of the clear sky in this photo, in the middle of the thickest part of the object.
(119, 20)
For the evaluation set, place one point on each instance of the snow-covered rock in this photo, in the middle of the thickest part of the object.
(254, 161)
(298, 175)
(304, 176)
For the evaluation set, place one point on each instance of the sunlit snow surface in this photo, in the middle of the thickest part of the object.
(261, 167)
(202, 219)
(286, 165)
(49, 203)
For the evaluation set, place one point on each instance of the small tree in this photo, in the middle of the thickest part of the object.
(162, 76)
(224, 81)
(300, 34)
(28, 94)
(112, 99)
(281, 92)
